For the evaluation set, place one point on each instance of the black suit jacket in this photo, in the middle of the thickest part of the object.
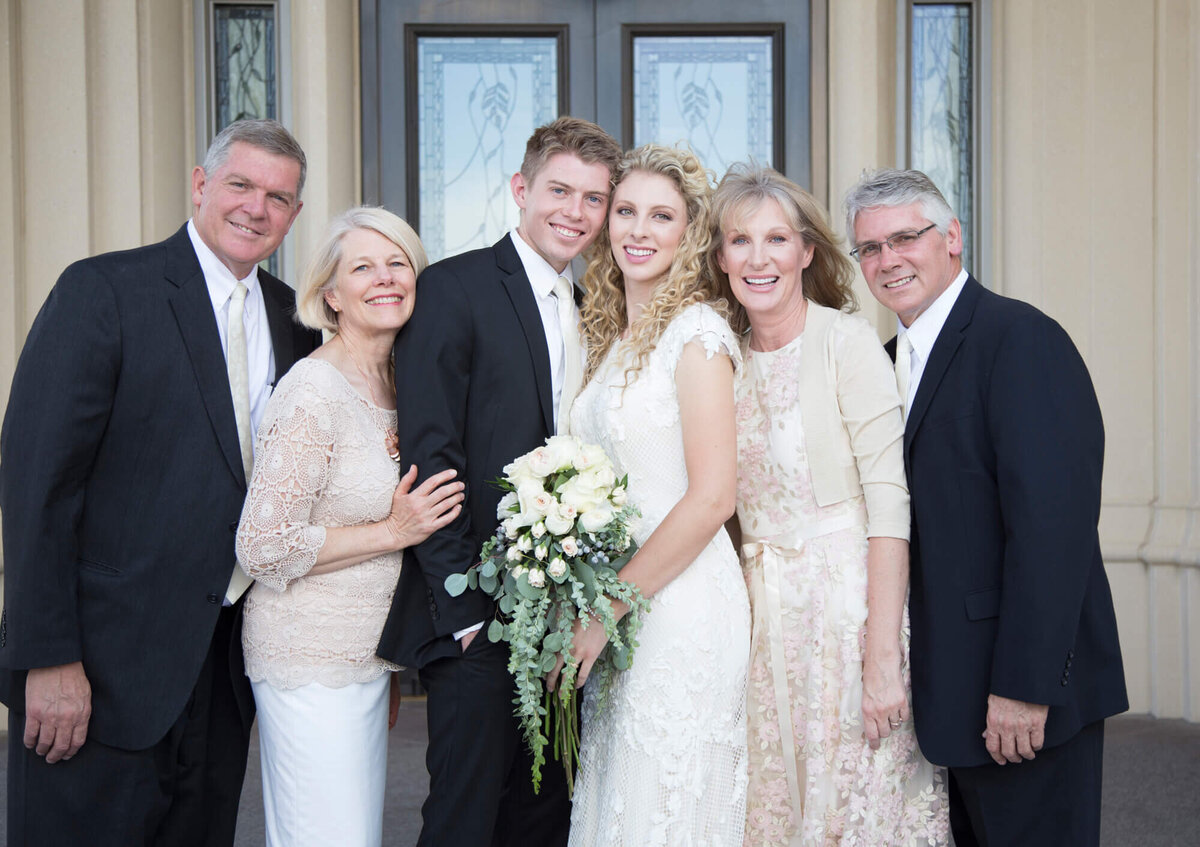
(121, 483)
(1004, 448)
(474, 392)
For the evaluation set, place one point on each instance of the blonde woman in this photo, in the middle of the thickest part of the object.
(663, 758)
(326, 517)
(824, 515)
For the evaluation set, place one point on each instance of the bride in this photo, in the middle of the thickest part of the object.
(663, 753)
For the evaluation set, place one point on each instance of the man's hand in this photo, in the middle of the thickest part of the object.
(1015, 729)
(58, 706)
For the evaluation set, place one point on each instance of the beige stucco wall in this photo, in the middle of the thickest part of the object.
(1095, 179)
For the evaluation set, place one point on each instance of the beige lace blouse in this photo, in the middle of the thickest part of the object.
(320, 461)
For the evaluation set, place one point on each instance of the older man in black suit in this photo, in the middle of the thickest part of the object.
(125, 452)
(487, 367)
(1015, 658)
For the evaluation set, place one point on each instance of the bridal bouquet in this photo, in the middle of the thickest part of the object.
(563, 536)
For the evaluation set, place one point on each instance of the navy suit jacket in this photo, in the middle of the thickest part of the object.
(473, 391)
(121, 484)
(1004, 448)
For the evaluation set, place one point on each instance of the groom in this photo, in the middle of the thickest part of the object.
(483, 371)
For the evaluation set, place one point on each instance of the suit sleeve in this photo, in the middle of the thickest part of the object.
(433, 381)
(62, 394)
(1045, 425)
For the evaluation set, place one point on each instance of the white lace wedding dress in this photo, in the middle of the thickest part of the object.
(664, 761)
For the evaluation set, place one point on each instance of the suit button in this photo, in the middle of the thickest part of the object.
(214, 598)
(1070, 654)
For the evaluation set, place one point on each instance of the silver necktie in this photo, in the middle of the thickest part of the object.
(239, 383)
(904, 351)
(572, 352)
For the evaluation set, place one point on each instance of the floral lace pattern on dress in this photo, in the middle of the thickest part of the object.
(320, 461)
(664, 762)
(813, 778)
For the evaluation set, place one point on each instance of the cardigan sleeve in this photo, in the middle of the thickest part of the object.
(869, 405)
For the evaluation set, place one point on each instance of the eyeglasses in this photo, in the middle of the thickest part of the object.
(899, 242)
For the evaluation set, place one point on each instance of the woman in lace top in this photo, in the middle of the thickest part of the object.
(663, 753)
(824, 515)
(325, 520)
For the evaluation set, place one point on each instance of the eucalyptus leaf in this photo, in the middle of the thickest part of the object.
(473, 578)
(507, 603)
(488, 568)
(488, 582)
(456, 584)
(549, 660)
(495, 631)
(553, 642)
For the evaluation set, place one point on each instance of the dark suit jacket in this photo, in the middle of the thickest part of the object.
(1004, 448)
(121, 483)
(473, 388)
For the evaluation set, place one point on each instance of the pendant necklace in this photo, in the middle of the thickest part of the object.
(390, 439)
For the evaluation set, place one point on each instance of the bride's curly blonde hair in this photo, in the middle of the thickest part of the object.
(688, 280)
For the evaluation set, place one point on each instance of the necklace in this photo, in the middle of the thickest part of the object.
(390, 439)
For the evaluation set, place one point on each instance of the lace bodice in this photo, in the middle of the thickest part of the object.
(663, 760)
(320, 461)
(638, 425)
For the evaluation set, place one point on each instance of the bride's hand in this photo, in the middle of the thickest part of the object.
(586, 646)
(418, 513)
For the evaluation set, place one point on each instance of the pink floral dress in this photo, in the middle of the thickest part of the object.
(813, 778)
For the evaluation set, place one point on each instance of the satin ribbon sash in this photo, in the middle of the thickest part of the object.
(766, 598)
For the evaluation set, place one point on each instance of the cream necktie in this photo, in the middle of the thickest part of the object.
(239, 384)
(904, 350)
(572, 348)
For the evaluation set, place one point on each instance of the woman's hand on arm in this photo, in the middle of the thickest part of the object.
(415, 515)
(884, 701)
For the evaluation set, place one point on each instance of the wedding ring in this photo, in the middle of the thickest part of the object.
(894, 724)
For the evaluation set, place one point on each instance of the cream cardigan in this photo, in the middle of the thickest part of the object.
(852, 421)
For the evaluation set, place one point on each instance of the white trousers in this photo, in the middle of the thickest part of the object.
(324, 763)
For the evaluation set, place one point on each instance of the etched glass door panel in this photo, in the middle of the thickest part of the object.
(478, 99)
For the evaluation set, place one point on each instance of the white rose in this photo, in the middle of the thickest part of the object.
(504, 507)
(533, 499)
(568, 511)
(537, 578)
(588, 457)
(558, 523)
(511, 528)
(580, 493)
(557, 569)
(513, 554)
(541, 550)
(563, 450)
(524, 544)
(596, 519)
(619, 495)
(570, 546)
(603, 476)
(541, 462)
(518, 570)
(538, 529)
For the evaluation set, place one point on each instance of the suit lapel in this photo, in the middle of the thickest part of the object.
(944, 349)
(279, 321)
(520, 293)
(198, 325)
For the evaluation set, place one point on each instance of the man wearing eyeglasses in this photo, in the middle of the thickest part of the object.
(1014, 652)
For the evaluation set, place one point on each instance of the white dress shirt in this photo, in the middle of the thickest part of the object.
(541, 279)
(925, 330)
(260, 356)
